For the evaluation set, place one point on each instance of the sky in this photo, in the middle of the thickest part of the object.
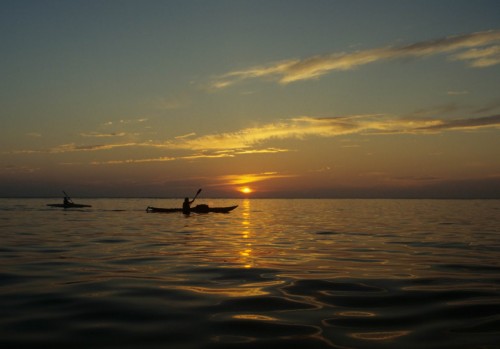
(311, 98)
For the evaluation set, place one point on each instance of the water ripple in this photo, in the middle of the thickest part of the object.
(273, 273)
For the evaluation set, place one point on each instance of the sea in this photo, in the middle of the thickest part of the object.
(273, 273)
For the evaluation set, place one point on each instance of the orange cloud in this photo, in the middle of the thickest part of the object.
(251, 177)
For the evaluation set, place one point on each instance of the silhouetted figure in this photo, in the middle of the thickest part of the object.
(66, 201)
(186, 206)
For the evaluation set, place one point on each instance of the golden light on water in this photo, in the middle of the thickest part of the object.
(380, 336)
(246, 251)
(257, 317)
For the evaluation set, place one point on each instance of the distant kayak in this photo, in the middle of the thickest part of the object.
(69, 205)
(196, 209)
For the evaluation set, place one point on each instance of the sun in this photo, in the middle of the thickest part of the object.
(246, 190)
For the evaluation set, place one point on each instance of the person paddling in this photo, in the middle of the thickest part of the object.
(186, 205)
(67, 200)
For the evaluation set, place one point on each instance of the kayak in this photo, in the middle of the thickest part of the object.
(69, 205)
(196, 209)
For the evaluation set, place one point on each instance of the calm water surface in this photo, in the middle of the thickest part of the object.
(272, 273)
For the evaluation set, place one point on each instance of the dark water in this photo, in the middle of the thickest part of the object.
(273, 273)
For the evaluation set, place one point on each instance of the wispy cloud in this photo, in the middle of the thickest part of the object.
(258, 139)
(252, 139)
(72, 147)
(240, 179)
(302, 127)
(261, 151)
(466, 124)
(160, 159)
(103, 135)
(482, 53)
(133, 161)
(480, 58)
(298, 128)
(125, 121)
(195, 156)
(192, 134)
(15, 169)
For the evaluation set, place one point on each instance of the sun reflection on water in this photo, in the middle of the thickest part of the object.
(246, 234)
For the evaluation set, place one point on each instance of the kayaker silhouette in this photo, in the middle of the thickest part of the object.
(186, 206)
(67, 200)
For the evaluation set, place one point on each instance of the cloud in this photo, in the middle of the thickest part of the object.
(480, 58)
(160, 159)
(457, 93)
(133, 161)
(14, 169)
(133, 121)
(255, 140)
(465, 124)
(192, 134)
(240, 179)
(126, 121)
(72, 147)
(250, 139)
(288, 71)
(261, 151)
(103, 135)
(203, 155)
(300, 128)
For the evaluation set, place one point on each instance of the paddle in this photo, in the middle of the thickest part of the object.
(197, 193)
(67, 196)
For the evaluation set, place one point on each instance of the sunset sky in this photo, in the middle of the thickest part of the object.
(288, 98)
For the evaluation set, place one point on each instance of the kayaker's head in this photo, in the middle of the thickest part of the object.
(186, 199)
